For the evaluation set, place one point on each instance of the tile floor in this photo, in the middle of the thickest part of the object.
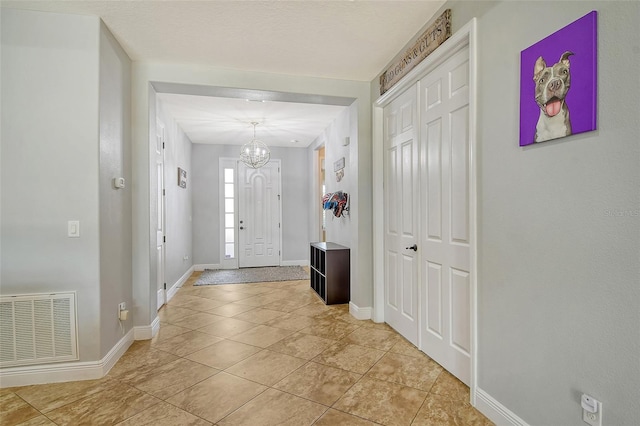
(255, 354)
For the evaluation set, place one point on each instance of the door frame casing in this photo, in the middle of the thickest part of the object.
(465, 36)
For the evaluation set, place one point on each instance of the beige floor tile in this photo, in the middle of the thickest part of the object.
(164, 414)
(405, 347)
(107, 407)
(259, 315)
(262, 336)
(419, 373)
(318, 383)
(14, 410)
(286, 305)
(378, 325)
(230, 309)
(230, 296)
(450, 387)
(187, 343)
(37, 421)
(338, 418)
(223, 354)
(373, 338)
(169, 379)
(266, 367)
(382, 402)
(273, 408)
(195, 302)
(440, 411)
(330, 329)
(50, 396)
(358, 359)
(169, 314)
(217, 396)
(227, 327)
(311, 310)
(167, 331)
(197, 320)
(300, 345)
(260, 300)
(141, 357)
(291, 322)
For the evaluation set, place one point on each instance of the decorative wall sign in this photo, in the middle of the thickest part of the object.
(434, 36)
(182, 178)
(338, 165)
(558, 83)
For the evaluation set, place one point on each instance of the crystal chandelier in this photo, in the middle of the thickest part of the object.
(256, 153)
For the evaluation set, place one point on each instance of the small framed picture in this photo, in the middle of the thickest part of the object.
(182, 178)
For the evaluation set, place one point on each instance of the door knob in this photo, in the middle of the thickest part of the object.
(413, 247)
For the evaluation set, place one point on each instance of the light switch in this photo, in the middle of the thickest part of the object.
(73, 229)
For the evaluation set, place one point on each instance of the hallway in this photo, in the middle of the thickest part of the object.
(256, 354)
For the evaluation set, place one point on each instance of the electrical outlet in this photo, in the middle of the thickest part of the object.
(594, 419)
(122, 306)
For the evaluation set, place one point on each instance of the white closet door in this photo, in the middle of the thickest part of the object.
(445, 227)
(401, 208)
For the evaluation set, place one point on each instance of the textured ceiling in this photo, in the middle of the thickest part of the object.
(350, 40)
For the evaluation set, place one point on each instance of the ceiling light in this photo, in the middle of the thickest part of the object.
(256, 153)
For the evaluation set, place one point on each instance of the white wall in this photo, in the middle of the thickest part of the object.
(559, 228)
(206, 202)
(50, 161)
(178, 222)
(115, 204)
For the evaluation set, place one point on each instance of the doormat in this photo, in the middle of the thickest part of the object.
(252, 275)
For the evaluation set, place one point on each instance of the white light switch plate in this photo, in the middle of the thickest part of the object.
(73, 229)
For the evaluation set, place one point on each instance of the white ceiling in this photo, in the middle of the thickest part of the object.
(350, 40)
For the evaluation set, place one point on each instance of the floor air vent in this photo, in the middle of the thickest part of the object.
(37, 329)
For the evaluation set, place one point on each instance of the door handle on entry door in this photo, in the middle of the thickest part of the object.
(413, 247)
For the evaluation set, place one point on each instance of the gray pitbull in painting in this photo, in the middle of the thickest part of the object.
(552, 85)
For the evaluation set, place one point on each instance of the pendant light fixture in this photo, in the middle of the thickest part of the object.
(256, 153)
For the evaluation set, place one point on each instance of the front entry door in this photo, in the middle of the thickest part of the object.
(401, 225)
(259, 215)
(446, 237)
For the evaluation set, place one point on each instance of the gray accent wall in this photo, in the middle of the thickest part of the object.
(178, 201)
(558, 224)
(115, 204)
(65, 136)
(206, 206)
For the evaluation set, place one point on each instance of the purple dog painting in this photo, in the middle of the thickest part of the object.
(558, 83)
(552, 85)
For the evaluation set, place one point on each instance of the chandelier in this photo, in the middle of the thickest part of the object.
(256, 153)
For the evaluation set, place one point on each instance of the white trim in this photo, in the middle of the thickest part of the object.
(358, 312)
(294, 263)
(465, 36)
(175, 287)
(496, 412)
(161, 297)
(67, 371)
(146, 332)
(201, 267)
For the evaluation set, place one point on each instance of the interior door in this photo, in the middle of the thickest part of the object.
(401, 225)
(160, 196)
(445, 242)
(259, 215)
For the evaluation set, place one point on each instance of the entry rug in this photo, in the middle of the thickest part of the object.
(252, 275)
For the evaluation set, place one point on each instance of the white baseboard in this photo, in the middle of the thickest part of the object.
(203, 266)
(146, 332)
(294, 263)
(66, 371)
(495, 411)
(359, 313)
(174, 288)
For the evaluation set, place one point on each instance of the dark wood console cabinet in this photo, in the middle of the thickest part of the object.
(330, 272)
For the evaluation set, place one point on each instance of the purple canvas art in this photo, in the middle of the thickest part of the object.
(558, 83)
